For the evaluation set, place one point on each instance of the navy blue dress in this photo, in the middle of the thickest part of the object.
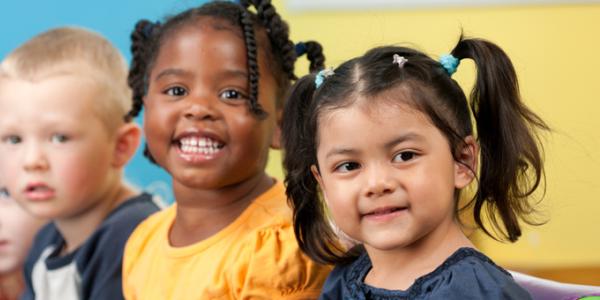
(466, 274)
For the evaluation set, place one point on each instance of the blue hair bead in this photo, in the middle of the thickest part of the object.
(450, 63)
(300, 49)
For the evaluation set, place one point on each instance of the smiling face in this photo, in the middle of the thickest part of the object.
(197, 122)
(387, 174)
(55, 150)
(17, 229)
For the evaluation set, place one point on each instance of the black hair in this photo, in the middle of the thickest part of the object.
(147, 38)
(511, 154)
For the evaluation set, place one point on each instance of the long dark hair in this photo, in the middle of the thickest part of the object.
(147, 38)
(511, 154)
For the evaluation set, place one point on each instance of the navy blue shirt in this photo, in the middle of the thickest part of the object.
(92, 271)
(466, 274)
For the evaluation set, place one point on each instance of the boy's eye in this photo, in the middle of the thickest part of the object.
(59, 138)
(347, 167)
(176, 91)
(232, 95)
(404, 156)
(12, 139)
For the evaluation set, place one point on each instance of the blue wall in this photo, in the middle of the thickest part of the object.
(21, 20)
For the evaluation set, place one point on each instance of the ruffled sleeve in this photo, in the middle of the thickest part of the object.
(271, 266)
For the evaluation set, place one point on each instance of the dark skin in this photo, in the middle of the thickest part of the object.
(197, 90)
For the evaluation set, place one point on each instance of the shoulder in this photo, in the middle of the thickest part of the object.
(110, 237)
(344, 279)
(469, 274)
(272, 262)
(48, 235)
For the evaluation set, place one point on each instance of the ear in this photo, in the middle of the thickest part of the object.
(466, 166)
(276, 139)
(127, 141)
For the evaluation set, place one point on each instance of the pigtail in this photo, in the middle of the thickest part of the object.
(313, 230)
(141, 39)
(314, 54)
(511, 155)
(252, 54)
(279, 34)
(140, 44)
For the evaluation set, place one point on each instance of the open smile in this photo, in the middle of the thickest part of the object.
(193, 148)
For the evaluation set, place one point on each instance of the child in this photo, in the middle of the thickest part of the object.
(64, 142)
(388, 140)
(17, 228)
(212, 80)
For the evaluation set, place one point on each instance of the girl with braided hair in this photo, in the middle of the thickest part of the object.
(211, 81)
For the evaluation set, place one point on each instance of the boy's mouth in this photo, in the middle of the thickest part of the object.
(38, 191)
(191, 145)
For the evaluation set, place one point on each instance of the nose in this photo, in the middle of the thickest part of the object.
(34, 158)
(200, 108)
(379, 182)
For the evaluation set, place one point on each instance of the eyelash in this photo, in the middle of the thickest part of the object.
(239, 95)
(62, 138)
(355, 166)
(411, 154)
(181, 91)
(12, 139)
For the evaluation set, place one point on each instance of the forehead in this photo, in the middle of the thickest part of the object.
(60, 97)
(370, 119)
(211, 42)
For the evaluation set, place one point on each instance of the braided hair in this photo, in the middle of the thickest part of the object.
(147, 38)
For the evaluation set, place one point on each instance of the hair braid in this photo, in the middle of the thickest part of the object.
(279, 32)
(252, 53)
(140, 44)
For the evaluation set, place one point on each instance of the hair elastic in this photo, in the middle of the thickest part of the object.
(300, 48)
(450, 63)
(400, 60)
(149, 28)
(322, 75)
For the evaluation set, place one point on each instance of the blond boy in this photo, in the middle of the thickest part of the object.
(64, 143)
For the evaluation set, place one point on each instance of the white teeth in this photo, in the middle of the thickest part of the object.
(201, 145)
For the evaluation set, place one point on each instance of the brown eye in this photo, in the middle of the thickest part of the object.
(404, 156)
(176, 91)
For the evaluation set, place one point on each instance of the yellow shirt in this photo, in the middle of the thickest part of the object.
(255, 257)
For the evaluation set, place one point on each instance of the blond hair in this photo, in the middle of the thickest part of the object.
(75, 51)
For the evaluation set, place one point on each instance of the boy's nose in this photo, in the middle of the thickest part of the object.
(34, 159)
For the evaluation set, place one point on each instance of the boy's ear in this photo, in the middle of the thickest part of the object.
(276, 139)
(466, 166)
(127, 141)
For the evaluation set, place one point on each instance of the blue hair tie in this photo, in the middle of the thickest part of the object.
(320, 78)
(450, 63)
(300, 48)
(149, 28)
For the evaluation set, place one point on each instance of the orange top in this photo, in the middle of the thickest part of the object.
(255, 257)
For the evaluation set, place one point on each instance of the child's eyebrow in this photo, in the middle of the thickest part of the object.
(171, 71)
(411, 136)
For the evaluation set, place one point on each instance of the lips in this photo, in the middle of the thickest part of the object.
(39, 191)
(384, 213)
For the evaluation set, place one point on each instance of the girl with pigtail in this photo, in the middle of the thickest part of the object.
(212, 80)
(380, 149)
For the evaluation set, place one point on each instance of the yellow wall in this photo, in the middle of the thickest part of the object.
(556, 51)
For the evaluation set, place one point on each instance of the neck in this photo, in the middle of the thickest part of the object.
(202, 213)
(397, 269)
(76, 229)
